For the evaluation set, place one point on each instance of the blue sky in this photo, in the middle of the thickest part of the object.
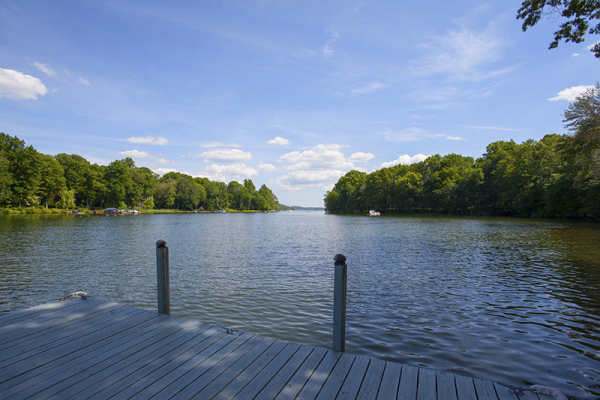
(292, 94)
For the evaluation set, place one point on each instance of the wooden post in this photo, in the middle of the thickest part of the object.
(339, 303)
(162, 277)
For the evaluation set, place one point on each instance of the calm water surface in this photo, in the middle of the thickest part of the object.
(508, 300)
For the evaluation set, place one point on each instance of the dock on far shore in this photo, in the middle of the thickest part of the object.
(96, 349)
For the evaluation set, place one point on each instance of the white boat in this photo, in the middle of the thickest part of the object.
(373, 213)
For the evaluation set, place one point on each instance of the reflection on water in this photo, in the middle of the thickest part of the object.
(508, 300)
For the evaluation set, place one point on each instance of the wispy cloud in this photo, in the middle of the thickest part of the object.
(369, 88)
(404, 135)
(493, 128)
(463, 54)
(45, 68)
(219, 144)
(279, 141)
(158, 141)
(454, 138)
(571, 94)
(84, 82)
(16, 85)
(225, 155)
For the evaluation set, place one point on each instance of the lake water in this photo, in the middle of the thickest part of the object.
(509, 300)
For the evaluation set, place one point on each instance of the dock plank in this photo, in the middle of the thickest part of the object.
(97, 349)
(314, 384)
(261, 379)
(336, 378)
(504, 393)
(485, 389)
(203, 366)
(303, 374)
(207, 348)
(354, 379)
(465, 388)
(390, 382)
(284, 375)
(372, 380)
(70, 364)
(27, 360)
(219, 369)
(446, 386)
(114, 374)
(408, 383)
(426, 388)
(228, 385)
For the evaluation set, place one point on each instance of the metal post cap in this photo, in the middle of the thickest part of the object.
(339, 259)
(161, 244)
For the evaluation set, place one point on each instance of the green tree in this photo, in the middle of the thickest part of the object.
(5, 179)
(66, 199)
(52, 180)
(165, 193)
(23, 167)
(580, 15)
(581, 149)
(77, 172)
(118, 182)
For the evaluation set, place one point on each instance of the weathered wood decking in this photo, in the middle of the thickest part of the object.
(93, 349)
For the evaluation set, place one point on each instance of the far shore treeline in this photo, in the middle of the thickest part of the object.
(31, 179)
(555, 177)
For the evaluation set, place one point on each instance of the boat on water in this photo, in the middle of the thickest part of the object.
(373, 213)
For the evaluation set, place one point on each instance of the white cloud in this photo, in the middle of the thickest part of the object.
(226, 173)
(405, 160)
(16, 85)
(297, 180)
(219, 144)
(266, 167)
(328, 50)
(571, 94)
(84, 82)
(361, 157)
(574, 54)
(369, 88)
(162, 171)
(135, 153)
(323, 156)
(591, 46)
(454, 138)
(318, 167)
(405, 135)
(494, 128)
(145, 155)
(279, 140)
(462, 55)
(45, 68)
(225, 155)
(159, 141)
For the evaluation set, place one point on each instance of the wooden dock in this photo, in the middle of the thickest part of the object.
(94, 349)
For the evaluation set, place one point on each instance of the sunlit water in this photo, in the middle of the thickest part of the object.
(509, 300)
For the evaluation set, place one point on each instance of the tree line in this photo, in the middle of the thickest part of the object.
(29, 179)
(555, 177)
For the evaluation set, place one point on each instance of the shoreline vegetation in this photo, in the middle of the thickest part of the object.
(555, 177)
(31, 182)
